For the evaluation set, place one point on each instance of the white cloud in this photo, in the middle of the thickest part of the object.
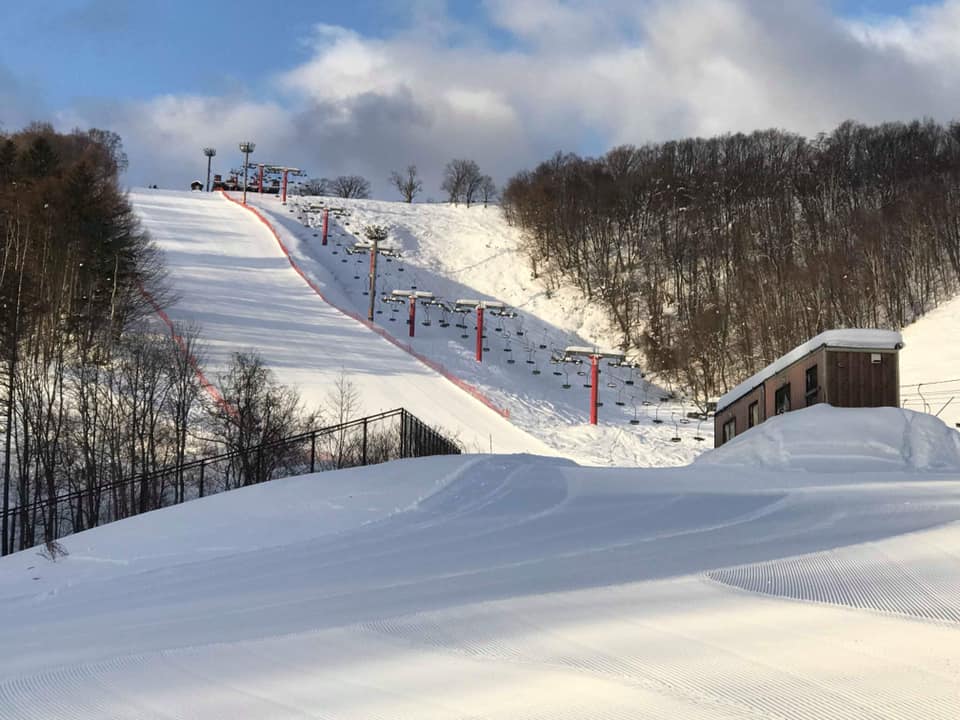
(619, 71)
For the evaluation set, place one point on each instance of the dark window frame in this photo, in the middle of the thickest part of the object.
(812, 395)
(781, 400)
(753, 414)
(730, 434)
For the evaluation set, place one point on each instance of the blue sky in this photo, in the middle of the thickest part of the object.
(67, 50)
(507, 82)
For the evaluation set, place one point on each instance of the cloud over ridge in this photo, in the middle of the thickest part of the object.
(579, 76)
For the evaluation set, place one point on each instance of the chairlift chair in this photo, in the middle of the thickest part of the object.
(698, 437)
(676, 430)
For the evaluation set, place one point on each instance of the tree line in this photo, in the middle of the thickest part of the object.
(715, 256)
(463, 182)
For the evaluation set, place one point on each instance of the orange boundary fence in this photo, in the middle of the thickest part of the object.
(210, 388)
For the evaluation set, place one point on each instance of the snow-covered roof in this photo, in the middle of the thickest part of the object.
(861, 338)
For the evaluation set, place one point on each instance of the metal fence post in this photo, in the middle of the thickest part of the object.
(313, 451)
(203, 464)
(364, 441)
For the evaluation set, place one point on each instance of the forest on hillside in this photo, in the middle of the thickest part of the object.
(96, 396)
(715, 256)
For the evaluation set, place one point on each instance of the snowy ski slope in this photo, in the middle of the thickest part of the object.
(931, 360)
(460, 252)
(231, 278)
(518, 587)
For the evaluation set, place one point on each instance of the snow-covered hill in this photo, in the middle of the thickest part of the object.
(460, 252)
(512, 587)
(231, 276)
(930, 363)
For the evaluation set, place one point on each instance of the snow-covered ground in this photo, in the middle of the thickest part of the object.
(520, 587)
(930, 359)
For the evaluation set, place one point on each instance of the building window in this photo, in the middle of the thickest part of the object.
(753, 414)
(813, 386)
(781, 400)
(729, 429)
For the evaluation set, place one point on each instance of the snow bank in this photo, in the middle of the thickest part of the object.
(279, 513)
(827, 439)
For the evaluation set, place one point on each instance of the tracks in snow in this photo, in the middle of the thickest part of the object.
(917, 576)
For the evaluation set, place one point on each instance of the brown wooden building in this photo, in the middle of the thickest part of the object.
(845, 368)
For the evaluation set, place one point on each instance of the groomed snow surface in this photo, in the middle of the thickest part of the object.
(520, 587)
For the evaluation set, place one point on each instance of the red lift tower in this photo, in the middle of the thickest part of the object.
(577, 355)
(496, 308)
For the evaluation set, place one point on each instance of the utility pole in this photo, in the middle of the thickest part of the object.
(210, 153)
(246, 148)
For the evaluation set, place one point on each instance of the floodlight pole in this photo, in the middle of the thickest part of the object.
(479, 332)
(374, 251)
(246, 148)
(210, 153)
(326, 218)
(413, 315)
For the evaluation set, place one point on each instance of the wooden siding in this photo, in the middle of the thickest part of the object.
(738, 410)
(796, 376)
(856, 381)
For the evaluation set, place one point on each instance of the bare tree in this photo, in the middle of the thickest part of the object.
(407, 183)
(349, 186)
(461, 180)
(315, 186)
(257, 410)
(343, 404)
(488, 190)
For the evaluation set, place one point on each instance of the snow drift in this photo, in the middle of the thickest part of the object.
(828, 439)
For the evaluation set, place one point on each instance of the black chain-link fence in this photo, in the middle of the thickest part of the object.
(367, 441)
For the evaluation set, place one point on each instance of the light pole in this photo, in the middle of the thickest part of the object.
(246, 148)
(210, 153)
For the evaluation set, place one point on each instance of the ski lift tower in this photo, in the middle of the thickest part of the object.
(577, 354)
(495, 307)
(375, 234)
(286, 172)
(412, 296)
